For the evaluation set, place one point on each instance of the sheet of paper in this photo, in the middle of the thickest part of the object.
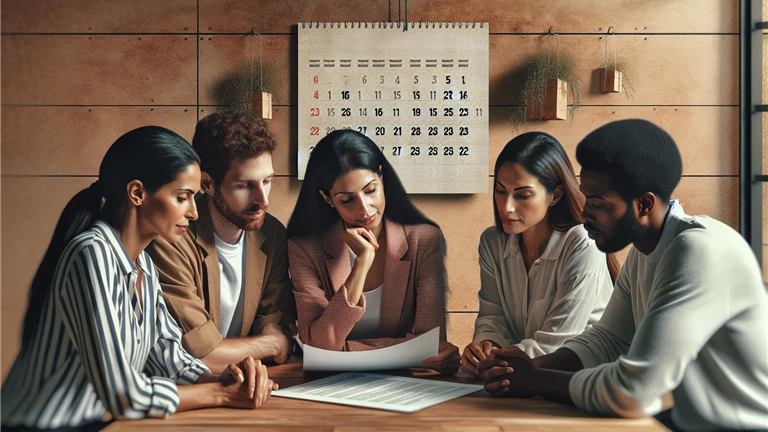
(378, 391)
(401, 356)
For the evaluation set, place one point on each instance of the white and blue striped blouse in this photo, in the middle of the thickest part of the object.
(98, 347)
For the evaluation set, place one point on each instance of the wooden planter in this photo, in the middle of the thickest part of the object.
(555, 102)
(610, 81)
(261, 104)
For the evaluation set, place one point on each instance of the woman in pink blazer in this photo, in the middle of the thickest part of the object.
(364, 278)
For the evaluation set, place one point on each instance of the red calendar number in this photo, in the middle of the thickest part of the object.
(315, 80)
(317, 96)
(314, 112)
(314, 130)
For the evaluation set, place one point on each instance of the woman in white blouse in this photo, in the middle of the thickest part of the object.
(542, 280)
(97, 335)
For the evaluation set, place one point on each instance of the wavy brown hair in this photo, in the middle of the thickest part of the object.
(543, 156)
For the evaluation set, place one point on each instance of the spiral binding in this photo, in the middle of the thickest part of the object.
(393, 25)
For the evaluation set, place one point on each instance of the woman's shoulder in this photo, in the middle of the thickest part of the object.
(577, 245)
(423, 233)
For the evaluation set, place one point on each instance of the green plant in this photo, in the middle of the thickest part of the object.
(235, 90)
(618, 65)
(536, 73)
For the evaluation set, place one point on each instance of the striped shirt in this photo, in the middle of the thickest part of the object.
(99, 347)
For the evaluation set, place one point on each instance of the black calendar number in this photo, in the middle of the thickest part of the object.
(397, 79)
(365, 79)
(433, 94)
(382, 149)
(463, 94)
(329, 130)
(463, 131)
(398, 130)
(463, 151)
(479, 112)
(345, 94)
(463, 112)
(448, 131)
(378, 111)
(397, 94)
(434, 79)
(448, 112)
(381, 79)
(363, 130)
(363, 112)
(415, 130)
(416, 79)
(346, 112)
(396, 112)
(416, 112)
(448, 151)
(380, 130)
(415, 151)
(377, 94)
(331, 112)
(416, 95)
(433, 112)
(433, 151)
(397, 151)
(447, 79)
(462, 80)
(432, 131)
(448, 94)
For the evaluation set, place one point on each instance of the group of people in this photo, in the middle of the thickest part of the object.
(153, 298)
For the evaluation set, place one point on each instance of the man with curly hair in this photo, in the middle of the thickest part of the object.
(226, 281)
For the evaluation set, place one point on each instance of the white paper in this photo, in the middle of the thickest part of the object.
(378, 391)
(404, 355)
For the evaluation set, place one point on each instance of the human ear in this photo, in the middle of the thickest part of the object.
(207, 184)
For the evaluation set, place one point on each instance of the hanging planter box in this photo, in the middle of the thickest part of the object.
(610, 81)
(261, 104)
(555, 105)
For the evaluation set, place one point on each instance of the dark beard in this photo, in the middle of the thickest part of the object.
(627, 230)
(236, 218)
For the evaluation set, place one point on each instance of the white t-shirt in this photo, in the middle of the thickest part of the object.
(368, 325)
(231, 264)
(691, 318)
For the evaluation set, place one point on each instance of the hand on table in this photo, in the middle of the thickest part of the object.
(446, 361)
(473, 354)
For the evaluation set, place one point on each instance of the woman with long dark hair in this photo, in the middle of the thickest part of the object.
(364, 277)
(542, 280)
(97, 334)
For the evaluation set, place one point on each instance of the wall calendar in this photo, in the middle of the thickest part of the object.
(420, 94)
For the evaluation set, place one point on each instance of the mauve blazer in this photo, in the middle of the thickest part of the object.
(413, 298)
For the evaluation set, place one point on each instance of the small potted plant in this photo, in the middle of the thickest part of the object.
(247, 90)
(616, 77)
(546, 84)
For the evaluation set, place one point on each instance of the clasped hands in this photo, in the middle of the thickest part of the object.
(506, 372)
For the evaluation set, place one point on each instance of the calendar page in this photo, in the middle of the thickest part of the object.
(421, 95)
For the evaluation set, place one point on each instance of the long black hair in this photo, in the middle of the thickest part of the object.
(543, 156)
(151, 154)
(338, 153)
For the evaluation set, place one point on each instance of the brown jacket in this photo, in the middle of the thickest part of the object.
(413, 301)
(189, 276)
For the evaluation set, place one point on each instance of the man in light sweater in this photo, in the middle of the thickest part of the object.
(226, 281)
(688, 313)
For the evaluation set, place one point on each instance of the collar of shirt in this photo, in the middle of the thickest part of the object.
(554, 245)
(126, 265)
(674, 213)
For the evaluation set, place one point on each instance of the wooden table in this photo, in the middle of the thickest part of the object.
(474, 413)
